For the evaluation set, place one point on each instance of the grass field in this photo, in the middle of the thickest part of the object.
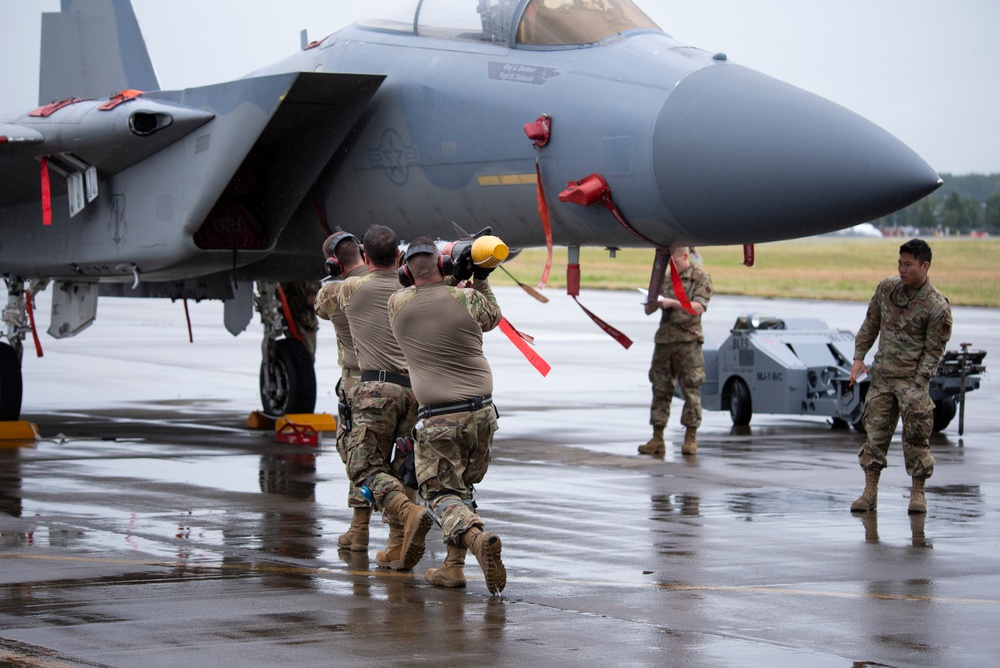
(966, 270)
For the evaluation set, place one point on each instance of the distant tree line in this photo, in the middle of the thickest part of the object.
(963, 205)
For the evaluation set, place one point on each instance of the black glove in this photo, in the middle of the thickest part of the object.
(481, 273)
(461, 256)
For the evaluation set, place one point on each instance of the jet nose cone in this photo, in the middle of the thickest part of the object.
(741, 156)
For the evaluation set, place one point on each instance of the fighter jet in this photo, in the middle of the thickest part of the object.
(579, 121)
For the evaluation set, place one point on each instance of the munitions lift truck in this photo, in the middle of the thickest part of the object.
(800, 366)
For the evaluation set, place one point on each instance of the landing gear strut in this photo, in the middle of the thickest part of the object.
(287, 375)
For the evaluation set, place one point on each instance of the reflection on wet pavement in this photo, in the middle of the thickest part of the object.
(164, 532)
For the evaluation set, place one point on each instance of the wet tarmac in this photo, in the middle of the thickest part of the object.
(149, 527)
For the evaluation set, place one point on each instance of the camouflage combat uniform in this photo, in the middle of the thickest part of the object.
(913, 331)
(328, 308)
(301, 298)
(440, 329)
(677, 355)
(383, 410)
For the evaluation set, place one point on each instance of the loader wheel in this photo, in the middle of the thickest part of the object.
(944, 411)
(740, 402)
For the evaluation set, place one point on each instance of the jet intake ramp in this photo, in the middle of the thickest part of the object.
(281, 167)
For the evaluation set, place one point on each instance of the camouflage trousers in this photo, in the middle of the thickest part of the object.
(888, 400)
(453, 452)
(382, 413)
(349, 379)
(673, 363)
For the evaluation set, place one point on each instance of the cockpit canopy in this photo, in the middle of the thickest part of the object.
(528, 23)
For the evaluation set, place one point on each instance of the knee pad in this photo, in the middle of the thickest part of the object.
(366, 489)
(437, 510)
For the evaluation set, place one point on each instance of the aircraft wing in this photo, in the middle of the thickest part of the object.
(203, 171)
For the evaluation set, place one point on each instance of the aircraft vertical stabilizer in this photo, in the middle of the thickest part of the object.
(92, 49)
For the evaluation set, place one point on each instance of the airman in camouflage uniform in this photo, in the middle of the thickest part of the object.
(345, 251)
(440, 329)
(912, 321)
(384, 407)
(677, 355)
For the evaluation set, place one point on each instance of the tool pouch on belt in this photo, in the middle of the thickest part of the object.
(403, 462)
(343, 408)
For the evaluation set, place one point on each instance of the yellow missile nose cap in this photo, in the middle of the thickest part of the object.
(489, 251)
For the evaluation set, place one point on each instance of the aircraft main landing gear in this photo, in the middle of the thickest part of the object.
(287, 375)
(10, 384)
(16, 321)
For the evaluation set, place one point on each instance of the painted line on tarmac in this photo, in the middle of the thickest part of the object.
(242, 568)
(385, 573)
(179, 424)
(760, 590)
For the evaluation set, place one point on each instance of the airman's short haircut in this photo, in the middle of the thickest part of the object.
(918, 248)
(381, 246)
(423, 264)
(346, 249)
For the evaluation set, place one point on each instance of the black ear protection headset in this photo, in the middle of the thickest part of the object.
(444, 263)
(333, 266)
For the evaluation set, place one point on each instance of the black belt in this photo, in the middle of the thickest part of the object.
(473, 404)
(383, 376)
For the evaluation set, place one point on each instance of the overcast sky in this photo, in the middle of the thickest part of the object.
(925, 70)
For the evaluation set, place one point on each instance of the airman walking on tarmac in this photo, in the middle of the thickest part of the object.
(384, 407)
(912, 321)
(440, 329)
(345, 260)
(677, 355)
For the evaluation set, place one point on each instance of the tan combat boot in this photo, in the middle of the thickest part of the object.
(452, 571)
(486, 548)
(393, 547)
(690, 446)
(415, 522)
(918, 502)
(869, 498)
(356, 538)
(655, 445)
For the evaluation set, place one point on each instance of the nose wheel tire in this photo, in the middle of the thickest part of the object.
(292, 387)
(944, 411)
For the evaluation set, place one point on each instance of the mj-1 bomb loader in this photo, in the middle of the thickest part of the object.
(800, 366)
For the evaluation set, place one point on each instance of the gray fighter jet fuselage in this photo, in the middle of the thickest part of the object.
(416, 118)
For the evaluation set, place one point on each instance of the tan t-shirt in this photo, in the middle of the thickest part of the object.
(328, 308)
(363, 299)
(440, 329)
